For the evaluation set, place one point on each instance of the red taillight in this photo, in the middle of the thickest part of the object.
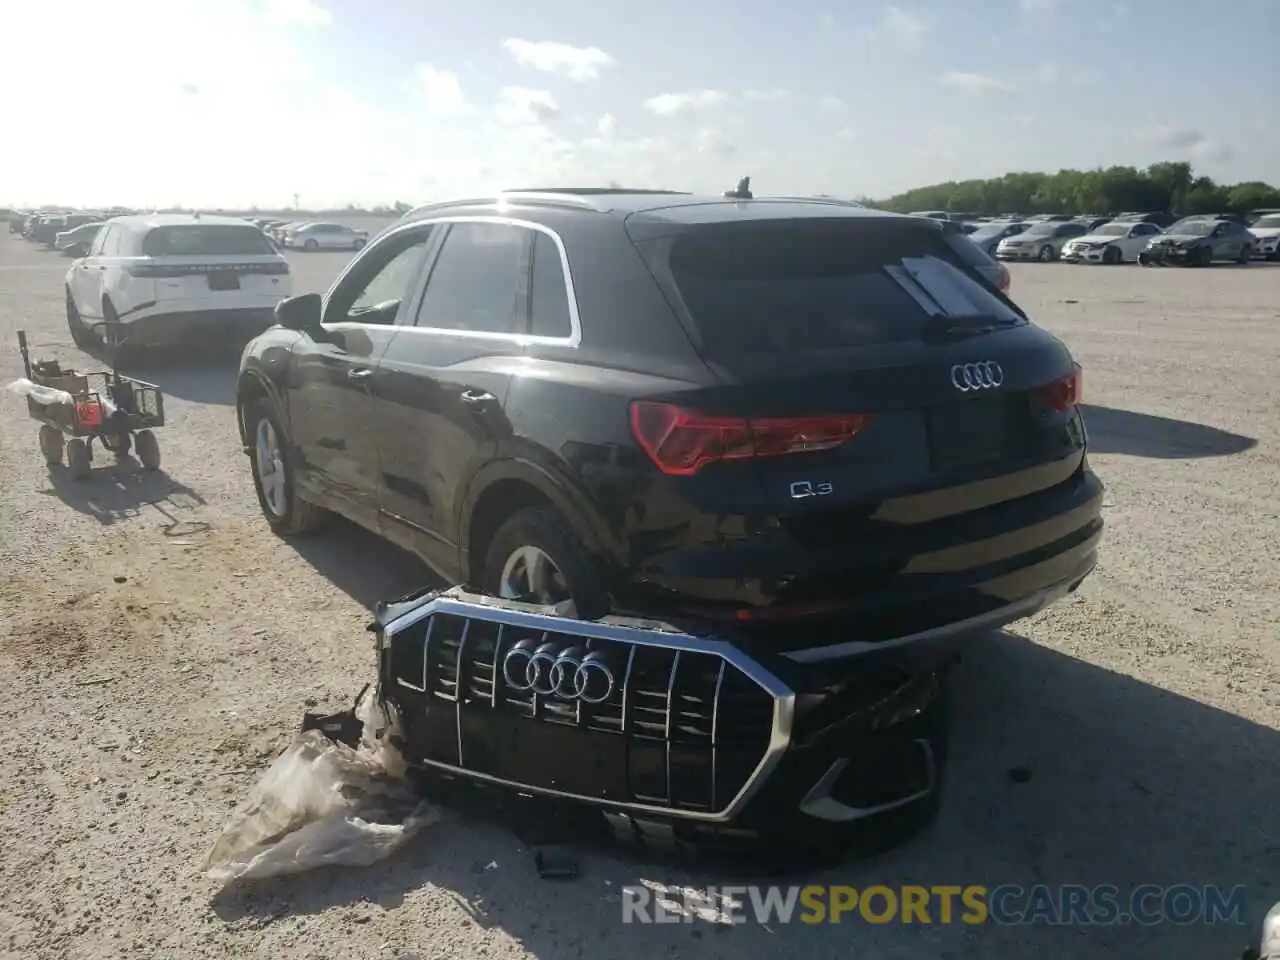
(681, 442)
(1066, 392)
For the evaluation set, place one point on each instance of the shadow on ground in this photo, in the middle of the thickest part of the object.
(1161, 438)
(363, 565)
(1060, 773)
(196, 374)
(120, 489)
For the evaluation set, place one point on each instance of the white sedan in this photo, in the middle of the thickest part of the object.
(327, 236)
(1111, 243)
(1266, 230)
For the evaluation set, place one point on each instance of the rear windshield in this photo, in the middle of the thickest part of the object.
(770, 287)
(205, 240)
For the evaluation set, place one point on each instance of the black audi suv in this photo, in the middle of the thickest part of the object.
(807, 427)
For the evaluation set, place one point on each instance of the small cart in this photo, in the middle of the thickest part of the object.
(76, 408)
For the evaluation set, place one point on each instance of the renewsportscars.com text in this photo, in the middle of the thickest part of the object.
(1008, 904)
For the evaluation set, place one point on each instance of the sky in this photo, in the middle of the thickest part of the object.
(256, 102)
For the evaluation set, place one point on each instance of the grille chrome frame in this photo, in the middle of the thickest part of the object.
(397, 617)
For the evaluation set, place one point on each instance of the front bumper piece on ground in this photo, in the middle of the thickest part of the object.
(677, 736)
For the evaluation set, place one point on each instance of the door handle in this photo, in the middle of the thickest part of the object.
(476, 398)
(359, 374)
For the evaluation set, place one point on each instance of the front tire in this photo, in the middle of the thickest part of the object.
(537, 557)
(51, 445)
(1046, 253)
(273, 479)
(360, 244)
(1246, 254)
(1111, 256)
(311, 245)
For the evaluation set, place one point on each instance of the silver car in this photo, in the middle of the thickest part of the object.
(327, 236)
(1043, 240)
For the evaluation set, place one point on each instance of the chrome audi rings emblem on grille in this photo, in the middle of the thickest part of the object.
(976, 376)
(554, 669)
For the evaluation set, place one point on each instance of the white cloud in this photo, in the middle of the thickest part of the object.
(440, 91)
(607, 125)
(673, 104)
(830, 104)
(521, 105)
(975, 82)
(772, 95)
(298, 13)
(711, 140)
(1048, 73)
(906, 27)
(562, 59)
(1037, 6)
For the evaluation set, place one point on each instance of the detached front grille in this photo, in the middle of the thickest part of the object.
(626, 715)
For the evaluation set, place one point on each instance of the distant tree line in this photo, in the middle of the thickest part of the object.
(1170, 185)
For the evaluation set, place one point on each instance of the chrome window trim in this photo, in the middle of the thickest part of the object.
(574, 339)
(642, 634)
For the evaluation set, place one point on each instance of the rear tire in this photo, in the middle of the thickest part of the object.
(78, 462)
(311, 245)
(80, 334)
(360, 244)
(546, 531)
(273, 480)
(147, 447)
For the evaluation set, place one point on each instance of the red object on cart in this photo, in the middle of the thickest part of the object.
(89, 413)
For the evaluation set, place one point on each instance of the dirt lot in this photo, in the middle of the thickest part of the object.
(157, 645)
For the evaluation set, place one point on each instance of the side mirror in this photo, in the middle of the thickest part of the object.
(301, 313)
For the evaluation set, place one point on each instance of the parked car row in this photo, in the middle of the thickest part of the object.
(1132, 238)
(67, 232)
(312, 234)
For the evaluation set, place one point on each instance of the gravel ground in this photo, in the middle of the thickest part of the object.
(157, 646)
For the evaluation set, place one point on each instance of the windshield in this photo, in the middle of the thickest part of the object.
(768, 287)
(1268, 223)
(990, 231)
(206, 240)
(1193, 228)
(1112, 230)
(1040, 229)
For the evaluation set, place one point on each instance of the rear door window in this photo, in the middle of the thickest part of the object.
(475, 282)
(770, 287)
(205, 240)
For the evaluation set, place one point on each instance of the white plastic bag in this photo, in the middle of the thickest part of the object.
(39, 392)
(320, 804)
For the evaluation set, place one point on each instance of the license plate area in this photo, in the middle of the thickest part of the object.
(970, 432)
(224, 280)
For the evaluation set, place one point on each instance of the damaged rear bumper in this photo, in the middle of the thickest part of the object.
(671, 732)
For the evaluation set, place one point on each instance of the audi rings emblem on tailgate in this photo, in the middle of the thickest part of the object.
(976, 376)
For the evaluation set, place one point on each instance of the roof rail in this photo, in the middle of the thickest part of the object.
(599, 191)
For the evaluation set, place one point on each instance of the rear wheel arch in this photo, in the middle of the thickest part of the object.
(505, 489)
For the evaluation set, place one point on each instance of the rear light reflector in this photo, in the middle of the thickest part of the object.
(681, 442)
(1066, 392)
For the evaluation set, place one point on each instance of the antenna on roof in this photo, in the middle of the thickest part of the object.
(742, 191)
